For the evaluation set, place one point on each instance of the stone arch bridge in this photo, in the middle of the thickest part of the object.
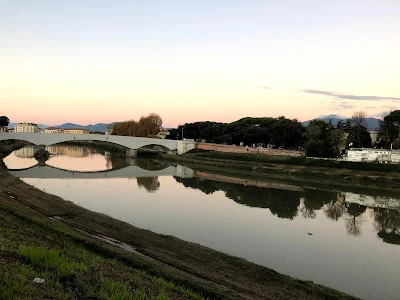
(131, 143)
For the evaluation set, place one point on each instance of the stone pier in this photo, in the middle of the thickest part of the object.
(131, 153)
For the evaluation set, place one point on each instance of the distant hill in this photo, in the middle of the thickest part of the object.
(372, 123)
(99, 127)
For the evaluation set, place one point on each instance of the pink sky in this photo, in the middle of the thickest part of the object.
(111, 61)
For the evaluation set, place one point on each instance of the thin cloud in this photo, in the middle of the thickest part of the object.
(265, 87)
(349, 97)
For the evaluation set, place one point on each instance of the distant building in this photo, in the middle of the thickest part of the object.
(374, 136)
(109, 131)
(53, 130)
(373, 155)
(26, 128)
(76, 131)
(3, 129)
(11, 130)
(162, 134)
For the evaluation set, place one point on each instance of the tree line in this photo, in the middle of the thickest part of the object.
(318, 139)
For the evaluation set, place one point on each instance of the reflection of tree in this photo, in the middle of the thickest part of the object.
(151, 184)
(354, 220)
(387, 223)
(283, 203)
(314, 200)
(115, 161)
(334, 210)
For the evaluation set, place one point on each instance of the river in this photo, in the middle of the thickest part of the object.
(346, 239)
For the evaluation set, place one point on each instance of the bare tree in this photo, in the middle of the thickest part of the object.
(359, 118)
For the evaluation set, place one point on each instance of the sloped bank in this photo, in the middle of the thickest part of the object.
(59, 243)
(371, 175)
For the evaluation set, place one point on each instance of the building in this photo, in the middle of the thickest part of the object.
(109, 131)
(76, 131)
(373, 155)
(162, 134)
(53, 130)
(3, 129)
(26, 128)
(374, 136)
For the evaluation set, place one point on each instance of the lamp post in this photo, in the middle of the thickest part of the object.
(182, 132)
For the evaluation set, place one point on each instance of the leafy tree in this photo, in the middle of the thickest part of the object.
(322, 140)
(347, 127)
(359, 137)
(389, 128)
(147, 126)
(4, 121)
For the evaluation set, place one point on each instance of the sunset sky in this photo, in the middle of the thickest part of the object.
(90, 61)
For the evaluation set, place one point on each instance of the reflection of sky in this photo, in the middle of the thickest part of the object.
(357, 265)
(14, 162)
(92, 162)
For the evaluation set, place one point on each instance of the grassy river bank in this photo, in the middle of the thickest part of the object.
(86, 255)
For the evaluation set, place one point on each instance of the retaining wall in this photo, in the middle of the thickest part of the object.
(239, 149)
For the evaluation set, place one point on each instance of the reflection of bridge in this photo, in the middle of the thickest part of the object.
(47, 172)
(132, 143)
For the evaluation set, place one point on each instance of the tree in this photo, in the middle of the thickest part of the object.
(359, 118)
(147, 126)
(347, 126)
(4, 121)
(359, 136)
(322, 140)
(389, 127)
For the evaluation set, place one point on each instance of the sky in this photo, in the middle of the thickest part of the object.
(90, 61)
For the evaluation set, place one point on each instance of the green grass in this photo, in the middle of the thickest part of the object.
(51, 260)
(28, 250)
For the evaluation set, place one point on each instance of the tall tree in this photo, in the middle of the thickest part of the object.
(4, 121)
(389, 127)
(358, 135)
(147, 126)
(322, 140)
(359, 118)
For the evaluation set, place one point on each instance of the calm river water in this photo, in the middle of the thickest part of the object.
(345, 239)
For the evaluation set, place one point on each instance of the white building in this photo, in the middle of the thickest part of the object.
(26, 128)
(53, 130)
(373, 155)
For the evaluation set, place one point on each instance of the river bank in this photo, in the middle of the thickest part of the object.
(84, 254)
(294, 169)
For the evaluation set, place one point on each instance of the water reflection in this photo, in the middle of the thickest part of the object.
(306, 202)
(345, 238)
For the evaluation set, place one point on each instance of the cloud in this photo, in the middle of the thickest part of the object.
(349, 97)
(265, 88)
